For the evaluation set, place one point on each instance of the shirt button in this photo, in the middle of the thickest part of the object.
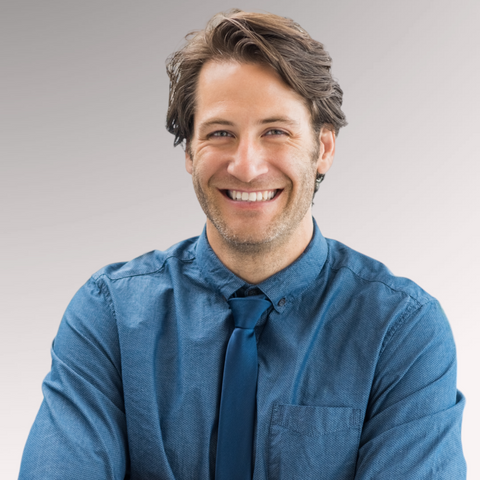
(282, 302)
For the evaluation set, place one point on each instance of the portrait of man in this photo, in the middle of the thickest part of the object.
(260, 348)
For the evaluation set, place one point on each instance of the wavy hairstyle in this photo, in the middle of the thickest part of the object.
(260, 38)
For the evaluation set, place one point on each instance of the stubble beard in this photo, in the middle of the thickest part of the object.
(281, 227)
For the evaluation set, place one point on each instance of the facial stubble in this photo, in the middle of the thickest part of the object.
(280, 229)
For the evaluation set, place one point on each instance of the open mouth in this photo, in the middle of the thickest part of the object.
(262, 196)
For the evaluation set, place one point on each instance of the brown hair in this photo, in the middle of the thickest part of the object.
(263, 38)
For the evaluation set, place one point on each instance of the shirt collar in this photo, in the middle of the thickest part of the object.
(279, 288)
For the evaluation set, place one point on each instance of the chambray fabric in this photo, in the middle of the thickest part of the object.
(356, 373)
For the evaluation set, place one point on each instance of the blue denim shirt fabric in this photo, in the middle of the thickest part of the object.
(356, 378)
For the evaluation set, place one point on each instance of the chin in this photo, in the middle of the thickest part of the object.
(248, 241)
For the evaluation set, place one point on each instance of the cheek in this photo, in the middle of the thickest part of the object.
(301, 172)
(207, 167)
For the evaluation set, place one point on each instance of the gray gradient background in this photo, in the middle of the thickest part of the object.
(89, 175)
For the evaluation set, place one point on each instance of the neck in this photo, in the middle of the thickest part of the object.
(256, 264)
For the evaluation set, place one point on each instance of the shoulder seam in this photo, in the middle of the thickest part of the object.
(103, 288)
(106, 292)
(403, 292)
(183, 260)
(409, 311)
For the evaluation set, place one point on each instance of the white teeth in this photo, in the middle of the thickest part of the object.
(252, 196)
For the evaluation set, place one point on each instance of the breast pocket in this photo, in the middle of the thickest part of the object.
(318, 443)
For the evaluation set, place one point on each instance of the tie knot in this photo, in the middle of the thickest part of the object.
(247, 310)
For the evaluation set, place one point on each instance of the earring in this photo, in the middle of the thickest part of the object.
(318, 180)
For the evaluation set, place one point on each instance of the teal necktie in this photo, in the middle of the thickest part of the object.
(239, 387)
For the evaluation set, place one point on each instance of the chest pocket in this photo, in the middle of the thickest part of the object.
(318, 443)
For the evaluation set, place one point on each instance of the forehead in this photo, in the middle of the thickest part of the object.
(247, 89)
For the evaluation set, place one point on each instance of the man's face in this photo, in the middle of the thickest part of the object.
(253, 155)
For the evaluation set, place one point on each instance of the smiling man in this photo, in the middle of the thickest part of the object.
(259, 349)
(254, 157)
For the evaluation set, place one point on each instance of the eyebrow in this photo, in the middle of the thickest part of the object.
(285, 120)
(219, 121)
(215, 121)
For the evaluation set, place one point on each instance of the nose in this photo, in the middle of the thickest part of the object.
(247, 162)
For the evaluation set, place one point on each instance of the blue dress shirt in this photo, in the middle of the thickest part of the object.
(356, 373)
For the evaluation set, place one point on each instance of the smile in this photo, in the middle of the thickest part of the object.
(251, 196)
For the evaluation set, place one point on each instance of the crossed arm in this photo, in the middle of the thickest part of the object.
(411, 431)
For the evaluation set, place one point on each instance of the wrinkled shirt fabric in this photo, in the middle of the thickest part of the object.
(356, 373)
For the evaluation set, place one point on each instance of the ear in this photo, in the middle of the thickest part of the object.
(327, 149)
(188, 159)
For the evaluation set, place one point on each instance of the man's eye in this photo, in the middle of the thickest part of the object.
(275, 132)
(220, 133)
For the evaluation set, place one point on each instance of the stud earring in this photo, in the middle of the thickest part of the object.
(318, 180)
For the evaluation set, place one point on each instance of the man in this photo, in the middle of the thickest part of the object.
(345, 371)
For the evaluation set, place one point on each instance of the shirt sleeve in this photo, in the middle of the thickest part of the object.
(413, 421)
(80, 429)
